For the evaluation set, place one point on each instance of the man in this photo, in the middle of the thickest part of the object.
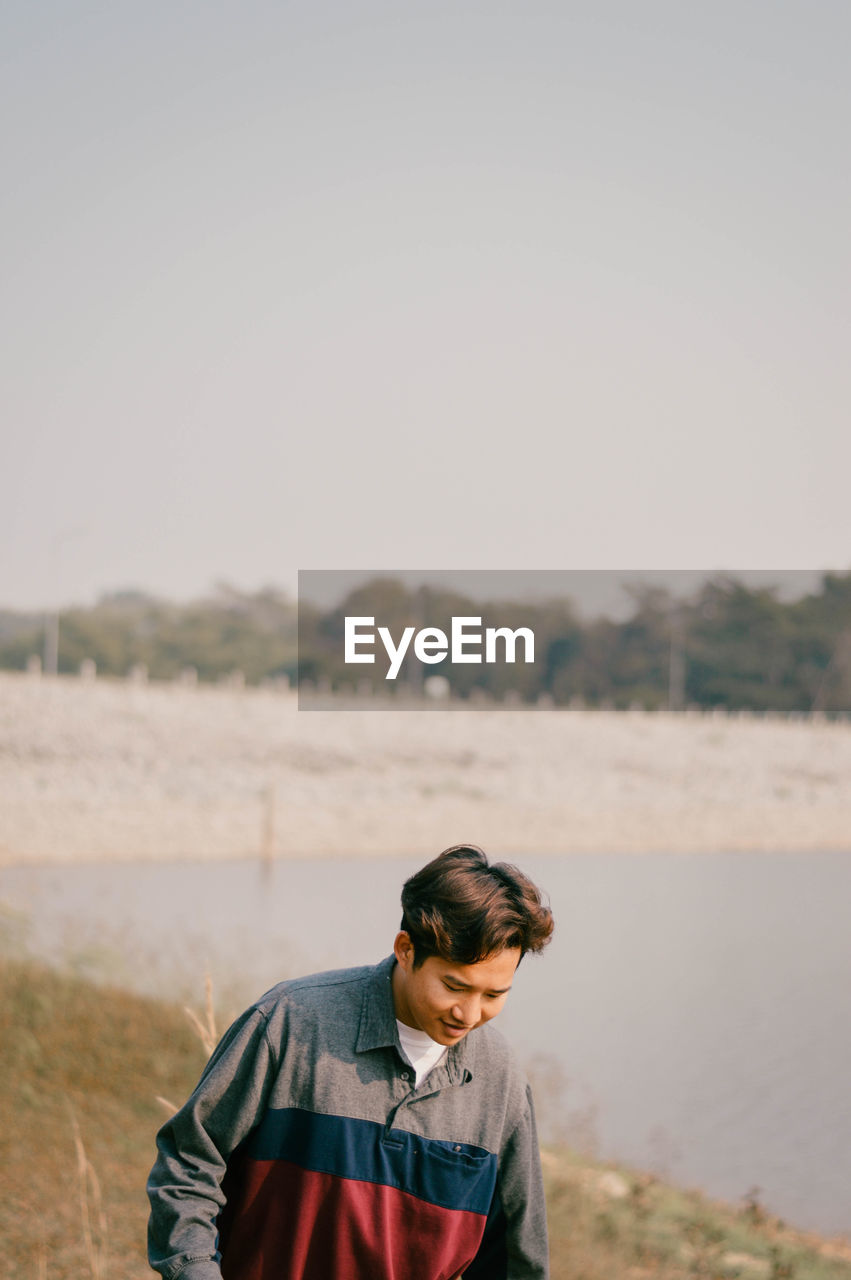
(365, 1124)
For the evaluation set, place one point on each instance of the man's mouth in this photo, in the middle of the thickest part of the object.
(454, 1029)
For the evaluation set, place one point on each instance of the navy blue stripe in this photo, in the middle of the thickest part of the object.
(451, 1175)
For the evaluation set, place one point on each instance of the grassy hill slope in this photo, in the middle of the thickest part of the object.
(80, 1070)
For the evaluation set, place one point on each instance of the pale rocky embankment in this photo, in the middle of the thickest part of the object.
(112, 770)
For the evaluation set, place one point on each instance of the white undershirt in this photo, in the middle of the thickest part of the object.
(422, 1052)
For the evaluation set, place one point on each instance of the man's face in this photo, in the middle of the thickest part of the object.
(445, 999)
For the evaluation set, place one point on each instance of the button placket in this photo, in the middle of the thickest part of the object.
(435, 1082)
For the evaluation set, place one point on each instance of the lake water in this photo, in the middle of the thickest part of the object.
(692, 1015)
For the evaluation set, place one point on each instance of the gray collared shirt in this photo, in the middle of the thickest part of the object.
(309, 1091)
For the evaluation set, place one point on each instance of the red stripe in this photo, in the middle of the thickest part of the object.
(286, 1223)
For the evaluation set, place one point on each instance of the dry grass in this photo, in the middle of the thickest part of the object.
(64, 1042)
(206, 1028)
(607, 1222)
(92, 1215)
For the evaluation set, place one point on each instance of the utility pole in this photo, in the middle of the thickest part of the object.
(677, 662)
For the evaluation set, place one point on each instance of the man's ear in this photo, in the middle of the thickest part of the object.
(403, 950)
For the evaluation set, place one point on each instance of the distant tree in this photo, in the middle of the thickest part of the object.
(741, 649)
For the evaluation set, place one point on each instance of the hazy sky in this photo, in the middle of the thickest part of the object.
(538, 285)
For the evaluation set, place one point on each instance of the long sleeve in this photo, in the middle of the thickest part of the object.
(185, 1184)
(514, 1245)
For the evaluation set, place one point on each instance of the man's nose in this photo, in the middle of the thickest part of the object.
(467, 1011)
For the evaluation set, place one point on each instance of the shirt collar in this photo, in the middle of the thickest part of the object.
(378, 1029)
(378, 1017)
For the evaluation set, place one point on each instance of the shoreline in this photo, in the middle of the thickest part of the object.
(111, 771)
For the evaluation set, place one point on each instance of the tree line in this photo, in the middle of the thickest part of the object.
(728, 645)
(253, 633)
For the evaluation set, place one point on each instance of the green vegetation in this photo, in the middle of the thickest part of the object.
(253, 634)
(728, 647)
(80, 1070)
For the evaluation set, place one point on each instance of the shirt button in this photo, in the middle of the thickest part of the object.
(405, 1075)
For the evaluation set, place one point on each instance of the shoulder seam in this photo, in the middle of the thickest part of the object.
(320, 980)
